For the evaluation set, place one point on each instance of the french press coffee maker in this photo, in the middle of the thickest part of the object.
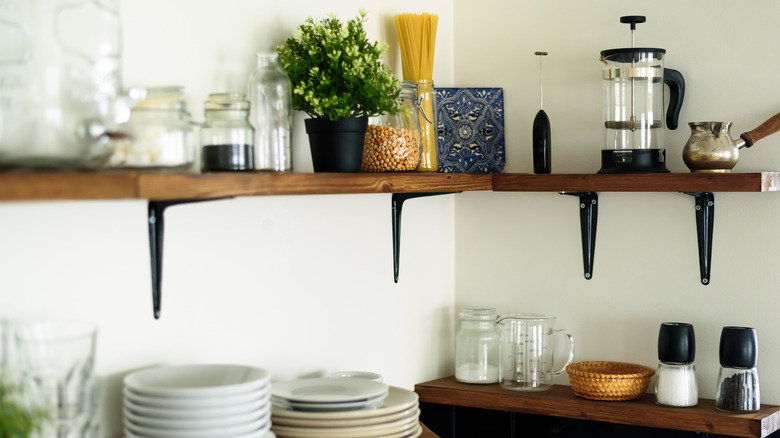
(633, 81)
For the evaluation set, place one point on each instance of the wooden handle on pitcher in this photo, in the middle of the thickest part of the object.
(765, 129)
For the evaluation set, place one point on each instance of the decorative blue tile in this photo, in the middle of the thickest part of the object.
(470, 130)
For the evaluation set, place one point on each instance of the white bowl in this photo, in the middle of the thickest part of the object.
(197, 380)
(260, 404)
(357, 374)
(258, 426)
(196, 423)
(196, 402)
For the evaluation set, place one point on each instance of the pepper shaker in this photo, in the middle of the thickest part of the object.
(676, 381)
(738, 389)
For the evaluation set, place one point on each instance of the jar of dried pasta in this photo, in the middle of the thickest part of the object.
(393, 141)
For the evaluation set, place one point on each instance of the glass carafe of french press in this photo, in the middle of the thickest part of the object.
(633, 81)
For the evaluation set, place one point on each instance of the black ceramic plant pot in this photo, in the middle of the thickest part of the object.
(336, 146)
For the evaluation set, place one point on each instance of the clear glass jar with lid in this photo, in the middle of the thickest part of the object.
(476, 346)
(159, 135)
(393, 141)
(226, 136)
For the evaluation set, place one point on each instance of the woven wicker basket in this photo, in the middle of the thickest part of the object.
(609, 380)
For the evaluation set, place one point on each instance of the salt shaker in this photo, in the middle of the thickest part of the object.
(476, 346)
(676, 377)
(738, 389)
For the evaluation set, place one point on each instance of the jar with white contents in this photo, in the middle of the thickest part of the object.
(676, 378)
(160, 134)
(476, 346)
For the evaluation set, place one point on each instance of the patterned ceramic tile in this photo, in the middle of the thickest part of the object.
(470, 130)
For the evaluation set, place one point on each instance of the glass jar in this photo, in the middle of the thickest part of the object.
(738, 389)
(159, 135)
(429, 161)
(392, 142)
(476, 346)
(227, 137)
(270, 95)
(676, 376)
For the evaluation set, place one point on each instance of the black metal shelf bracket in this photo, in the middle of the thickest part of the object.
(589, 213)
(156, 221)
(705, 219)
(397, 203)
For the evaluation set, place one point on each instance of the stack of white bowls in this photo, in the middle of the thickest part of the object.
(198, 401)
(344, 408)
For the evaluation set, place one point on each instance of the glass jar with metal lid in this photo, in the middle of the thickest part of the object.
(159, 135)
(476, 346)
(393, 141)
(227, 137)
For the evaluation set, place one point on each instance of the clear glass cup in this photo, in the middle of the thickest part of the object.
(56, 362)
(527, 351)
(270, 95)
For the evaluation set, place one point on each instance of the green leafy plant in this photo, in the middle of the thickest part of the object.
(15, 420)
(336, 71)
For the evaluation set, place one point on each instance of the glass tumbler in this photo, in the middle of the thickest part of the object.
(56, 361)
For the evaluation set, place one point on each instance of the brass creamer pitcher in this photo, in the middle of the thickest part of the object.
(710, 147)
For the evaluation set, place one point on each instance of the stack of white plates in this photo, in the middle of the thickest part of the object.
(198, 401)
(396, 417)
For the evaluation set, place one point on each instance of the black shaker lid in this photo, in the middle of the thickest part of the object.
(676, 342)
(738, 347)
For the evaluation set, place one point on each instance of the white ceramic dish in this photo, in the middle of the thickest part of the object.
(254, 427)
(254, 434)
(357, 374)
(194, 402)
(324, 390)
(196, 423)
(262, 404)
(404, 424)
(197, 380)
(353, 422)
(397, 400)
(413, 431)
(371, 403)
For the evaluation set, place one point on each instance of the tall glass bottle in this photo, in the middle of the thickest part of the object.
(270, 94)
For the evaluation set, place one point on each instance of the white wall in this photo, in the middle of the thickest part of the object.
(297, 285)
(521, 251)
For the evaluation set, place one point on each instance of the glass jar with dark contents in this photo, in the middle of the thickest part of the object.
(227, 137)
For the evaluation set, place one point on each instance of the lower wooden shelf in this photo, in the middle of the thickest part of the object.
(560, 401)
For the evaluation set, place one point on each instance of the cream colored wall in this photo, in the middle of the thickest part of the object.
(297, 285)
(521, 251)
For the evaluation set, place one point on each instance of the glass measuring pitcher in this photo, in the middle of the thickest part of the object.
(527, 351)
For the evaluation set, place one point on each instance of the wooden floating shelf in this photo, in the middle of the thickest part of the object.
(639, 182)
(560, 401)
(32, 186)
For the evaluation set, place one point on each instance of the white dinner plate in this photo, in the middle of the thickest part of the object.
(194, 402)
(413, 431)
(197, 380)
(199, 412)
(353, 422)
(372, 403)
(397, 400)
(254, 427)
(196, 423)
(324, 390)
(405, 424)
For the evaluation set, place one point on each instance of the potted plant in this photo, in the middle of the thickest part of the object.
(339, 80)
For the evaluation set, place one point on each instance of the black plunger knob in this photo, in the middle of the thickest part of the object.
(738, 347)
(676, 342)
(633, 20)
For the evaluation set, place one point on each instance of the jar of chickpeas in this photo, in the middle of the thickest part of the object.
(393, 141)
